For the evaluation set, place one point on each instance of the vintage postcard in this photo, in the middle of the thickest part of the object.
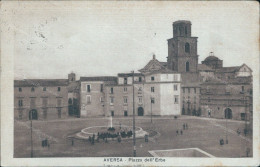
(130, 83)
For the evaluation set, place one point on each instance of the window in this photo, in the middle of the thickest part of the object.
(101, 99)
(59, 102)
(125, 89)
(208, 99)
(70, 101)
(111, 100)
(44, 88)
(152, 78)
(140, 100)
(187, 66)
(58, 89)
(176, 99)
(194, 99)
(88, 88)
(140, 89)
(183, 90)
(112, 113)
(125, 113)
(101, 87)
(188, 90)
(175, 77)
(152, 100)
(195, 90)
(20, 103)
(32, 89)
(111, 90)
(125, 81)
(187, 47)
(152, 89)
(242, 88)
(175, 87)
(20, 89)
(243, 116)
(88, 99)
(125, 100)
(140, 79)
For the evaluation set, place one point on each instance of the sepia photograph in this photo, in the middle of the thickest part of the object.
(130, 83)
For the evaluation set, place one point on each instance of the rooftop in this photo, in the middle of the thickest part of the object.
(228, 69)
(129, 74)
(40, 82)
(99, 78)
(182, 21)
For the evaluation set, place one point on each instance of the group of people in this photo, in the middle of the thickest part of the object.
(45, 143)
(105, 135)
(185, 127)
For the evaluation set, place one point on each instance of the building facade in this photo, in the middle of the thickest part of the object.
(40, 99)
(92, 95)
(226, 92)
(154, 91)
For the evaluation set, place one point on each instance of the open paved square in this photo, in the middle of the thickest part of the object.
(202, 133)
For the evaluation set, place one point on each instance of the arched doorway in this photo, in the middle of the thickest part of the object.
(140, 111)
(33, 114)
(228, 113)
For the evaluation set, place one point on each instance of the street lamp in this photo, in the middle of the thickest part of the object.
(134, 149)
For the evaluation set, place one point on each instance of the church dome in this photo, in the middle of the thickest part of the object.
(211, 58)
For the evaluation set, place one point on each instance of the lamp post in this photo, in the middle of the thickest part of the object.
(134, 149)
(151, 110)
(30, 117)
(226, 115)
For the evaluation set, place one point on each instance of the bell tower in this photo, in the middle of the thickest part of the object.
(182, 49)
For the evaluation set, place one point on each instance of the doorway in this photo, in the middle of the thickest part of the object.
(140, 111)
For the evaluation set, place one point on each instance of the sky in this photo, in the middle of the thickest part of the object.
(104, 38)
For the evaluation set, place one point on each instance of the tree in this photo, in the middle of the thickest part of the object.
(70, 106)
(76, 107)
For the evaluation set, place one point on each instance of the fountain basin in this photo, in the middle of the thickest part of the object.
(89, 131)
